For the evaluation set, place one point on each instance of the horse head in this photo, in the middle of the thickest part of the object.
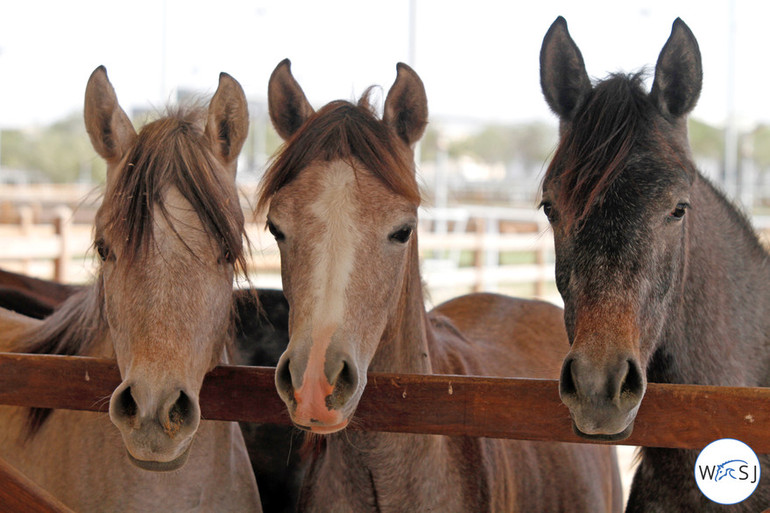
(169, 234)
(616, 195)
(343, 201)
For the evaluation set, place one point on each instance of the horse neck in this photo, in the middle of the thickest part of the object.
(367, 471)
(14, 329)
(74, 453)
(405, 341)
(719, 332)
(391, 468)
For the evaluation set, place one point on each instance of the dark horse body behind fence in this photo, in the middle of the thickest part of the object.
(662, 278)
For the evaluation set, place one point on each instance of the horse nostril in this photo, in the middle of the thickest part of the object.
(345, 385)
(180, 417)
(181, 411)
(633, 383)
(567, 379)
(346, 376)
(126, 405)
(283, 377)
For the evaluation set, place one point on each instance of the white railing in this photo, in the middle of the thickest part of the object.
(463, 249)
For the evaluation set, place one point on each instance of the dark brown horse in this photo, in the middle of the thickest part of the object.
(343, 201)
(662, 278)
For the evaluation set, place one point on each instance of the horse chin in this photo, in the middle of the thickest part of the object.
(325, 430)
(162, 466)
(602, 437)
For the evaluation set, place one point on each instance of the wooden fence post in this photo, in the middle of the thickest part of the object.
(540, 260)
(541, 254)
(479, 254)
(26, 222)
(62, 228)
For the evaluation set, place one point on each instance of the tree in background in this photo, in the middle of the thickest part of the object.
(61, 151)
(706, 141)
(530, 143)
(760, 145)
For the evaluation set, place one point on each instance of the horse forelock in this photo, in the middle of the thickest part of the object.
(616, 116)
(172, 151)
(344, 131)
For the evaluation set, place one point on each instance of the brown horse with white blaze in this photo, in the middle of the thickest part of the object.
(169, 234)
(343, 198)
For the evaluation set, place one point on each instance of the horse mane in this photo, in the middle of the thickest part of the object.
(71, 330)
(613, 118)
(172, 151)
(342, 130)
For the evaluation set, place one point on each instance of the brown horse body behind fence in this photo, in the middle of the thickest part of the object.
(343, 200)
(169, 232)
(662, 278)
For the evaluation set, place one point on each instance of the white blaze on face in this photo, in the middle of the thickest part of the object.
(335, 210)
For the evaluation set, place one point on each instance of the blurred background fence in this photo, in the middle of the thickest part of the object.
(46, 231)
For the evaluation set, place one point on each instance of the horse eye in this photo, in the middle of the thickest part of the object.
(401, 235)
(278, 234)
(679, 211)
(228, 256)
(102, 249)
(547, 210)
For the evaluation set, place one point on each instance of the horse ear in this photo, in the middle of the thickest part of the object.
(287, 103)
(563, 76)
(406, 106)
(108, 126)
(678, 73)
(227, 123)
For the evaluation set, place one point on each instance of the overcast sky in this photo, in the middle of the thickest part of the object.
(478, 59)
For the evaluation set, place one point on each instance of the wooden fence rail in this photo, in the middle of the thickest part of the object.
(674, 416)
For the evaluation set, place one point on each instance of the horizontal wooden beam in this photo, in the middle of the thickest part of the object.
(683, 416)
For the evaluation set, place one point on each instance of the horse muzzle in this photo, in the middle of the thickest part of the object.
(603, 397)
(157, 428)
(316, 402)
